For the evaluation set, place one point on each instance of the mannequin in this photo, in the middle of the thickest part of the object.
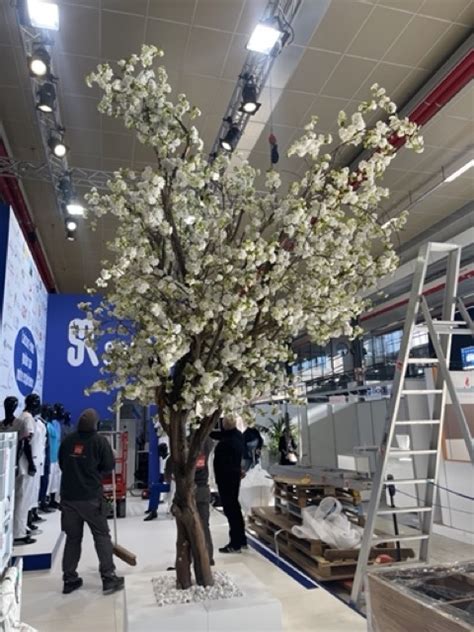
(38, 447)
(25, 479)
(47, 417)
(54, 435)
(67, 426)
(10, 404)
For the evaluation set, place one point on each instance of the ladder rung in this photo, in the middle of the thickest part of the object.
(398, 453)
(418, 422)
(399, 538)
(427, 391)
(446, 331)
(400, 510)
(423, 361)
(409, 481)
(439, 246)
(453, 323)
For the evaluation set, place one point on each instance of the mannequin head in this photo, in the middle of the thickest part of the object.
(33, 404)
(10, 404)
(47, 412)
(59, 412)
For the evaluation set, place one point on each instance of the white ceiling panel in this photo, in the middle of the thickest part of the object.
(397, 43)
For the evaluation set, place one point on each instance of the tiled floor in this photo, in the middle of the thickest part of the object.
(87, 610)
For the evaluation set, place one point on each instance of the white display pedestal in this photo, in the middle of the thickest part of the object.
(142, 614)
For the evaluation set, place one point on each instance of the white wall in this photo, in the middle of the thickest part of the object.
(339, 428)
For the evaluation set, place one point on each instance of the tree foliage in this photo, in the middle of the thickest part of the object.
(210, 279)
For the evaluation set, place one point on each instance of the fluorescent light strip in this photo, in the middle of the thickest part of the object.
(460, 171)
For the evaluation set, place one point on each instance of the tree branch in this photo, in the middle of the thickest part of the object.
(175, 240)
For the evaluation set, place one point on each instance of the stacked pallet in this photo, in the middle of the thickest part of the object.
(291, 498)
(316, 559)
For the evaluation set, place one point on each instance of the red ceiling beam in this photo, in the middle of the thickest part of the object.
(441, 94)
(449, 87)
(11, 193)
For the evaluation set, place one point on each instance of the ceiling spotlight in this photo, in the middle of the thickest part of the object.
(57, 145)
(39, 62)
(264, 37)
(74, 207)
(231, 138)
(46, 98)
(249, 97)
(71, 224)
(43, 15)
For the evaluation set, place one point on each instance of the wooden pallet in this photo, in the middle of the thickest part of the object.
(303, 495)
(294, 512)
(317, 559)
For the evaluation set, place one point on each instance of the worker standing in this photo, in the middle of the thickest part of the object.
(85, 457)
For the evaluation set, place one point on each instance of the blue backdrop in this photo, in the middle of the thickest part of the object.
(71, 366)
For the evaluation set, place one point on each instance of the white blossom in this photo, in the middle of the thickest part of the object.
(209, 280)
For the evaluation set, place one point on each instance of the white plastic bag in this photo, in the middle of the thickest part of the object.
(327, 523)
(256, 489)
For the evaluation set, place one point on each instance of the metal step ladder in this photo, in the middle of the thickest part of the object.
(440, 333)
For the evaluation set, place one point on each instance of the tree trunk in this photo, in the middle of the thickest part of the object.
(191, 543)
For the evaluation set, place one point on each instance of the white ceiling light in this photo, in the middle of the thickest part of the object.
(74, 207)
(460, 171)
(39, 62)
(263, 38)
(43, 15)
(71, 224)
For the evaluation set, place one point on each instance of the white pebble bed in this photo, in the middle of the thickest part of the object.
(166, 593)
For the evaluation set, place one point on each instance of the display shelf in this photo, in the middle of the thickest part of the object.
(8, 447)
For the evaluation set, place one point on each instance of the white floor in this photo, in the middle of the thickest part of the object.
(87, 610)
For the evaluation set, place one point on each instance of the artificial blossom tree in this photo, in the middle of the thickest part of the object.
(210, 279)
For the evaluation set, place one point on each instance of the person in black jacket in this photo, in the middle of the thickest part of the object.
(227, 468)
(84, 458)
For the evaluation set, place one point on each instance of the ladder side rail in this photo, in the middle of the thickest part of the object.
(444, 348)
(444, 369)
(383, 456)
(465, 314)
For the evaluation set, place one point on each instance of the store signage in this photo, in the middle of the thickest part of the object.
(79, 351)
(73, 365)
(24, 302)
(25, 361)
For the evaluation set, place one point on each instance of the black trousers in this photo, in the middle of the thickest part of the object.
(228, 486)
(203, 501)
(74, 513)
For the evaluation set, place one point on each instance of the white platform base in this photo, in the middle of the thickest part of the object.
(142, 614)
(40, 555)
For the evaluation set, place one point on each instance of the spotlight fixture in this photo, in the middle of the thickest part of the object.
(43, 15)
(249, 97)
(46, 98)
(56, 144)
(231, 138)
(39, 62)
(264, 37)
(71, 224)
(74, 207)
(71, 235)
